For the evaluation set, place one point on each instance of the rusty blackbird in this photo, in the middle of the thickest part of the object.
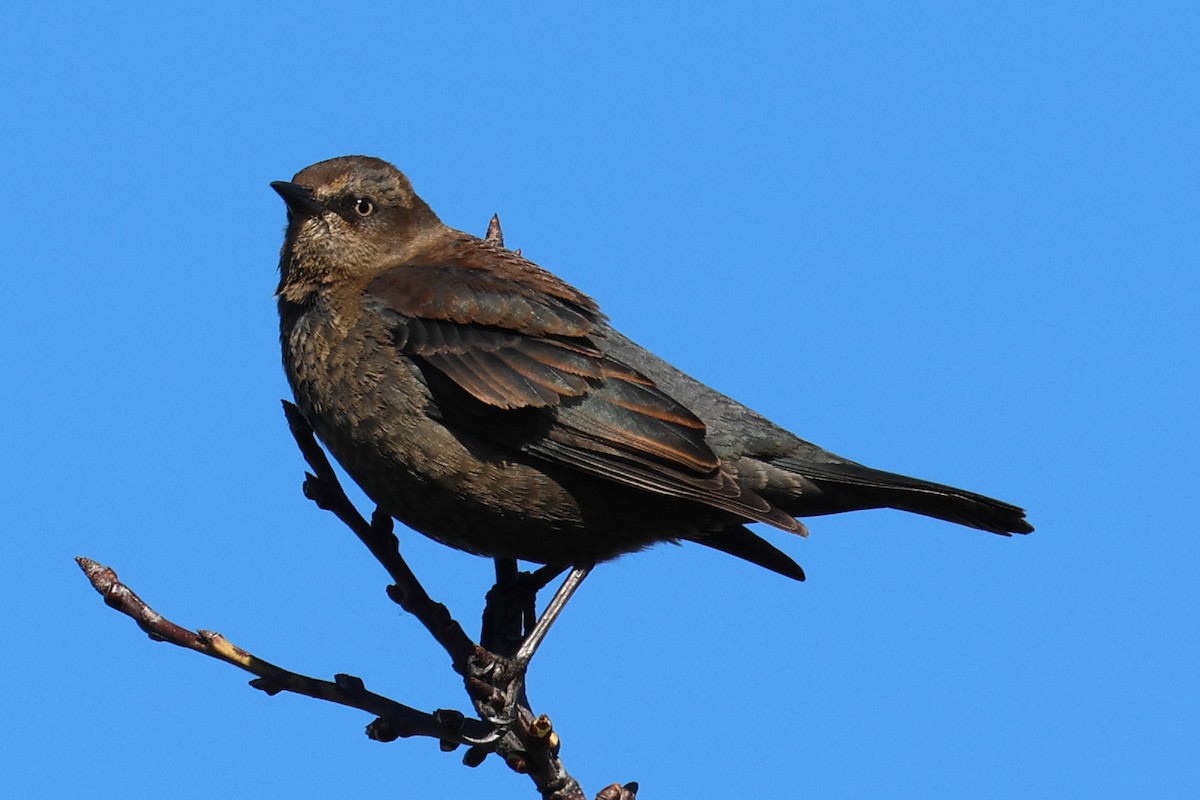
(481, 400)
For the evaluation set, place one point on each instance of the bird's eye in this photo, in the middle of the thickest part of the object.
(364, 207)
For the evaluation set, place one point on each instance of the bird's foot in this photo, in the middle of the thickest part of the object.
(496, 685)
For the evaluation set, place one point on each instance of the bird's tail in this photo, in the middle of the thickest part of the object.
(849, 486)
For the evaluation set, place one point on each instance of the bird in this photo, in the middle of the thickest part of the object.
(488, 404)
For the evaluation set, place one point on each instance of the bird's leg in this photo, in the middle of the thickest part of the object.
(511, 609)
(505, 610)
(497, 679)
(557, 603)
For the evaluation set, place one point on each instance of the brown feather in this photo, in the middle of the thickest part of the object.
(509, 343)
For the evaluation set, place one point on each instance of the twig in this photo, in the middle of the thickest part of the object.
(494, 233)
(394, 720)
(496, 684)
(324, 489)
(494, 681)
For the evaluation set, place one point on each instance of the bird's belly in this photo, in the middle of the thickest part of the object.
(491, 505)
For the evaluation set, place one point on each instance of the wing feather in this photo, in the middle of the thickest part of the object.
(519, 341)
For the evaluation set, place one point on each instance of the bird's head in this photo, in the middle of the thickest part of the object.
(349, 216)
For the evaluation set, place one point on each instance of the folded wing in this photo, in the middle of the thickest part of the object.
(523, 343)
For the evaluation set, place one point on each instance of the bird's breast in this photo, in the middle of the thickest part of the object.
(371, 406)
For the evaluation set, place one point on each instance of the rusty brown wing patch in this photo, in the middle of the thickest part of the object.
(510, 344)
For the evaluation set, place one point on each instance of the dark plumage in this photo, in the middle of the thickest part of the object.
(486, 403)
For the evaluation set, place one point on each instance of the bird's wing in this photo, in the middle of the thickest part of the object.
(519, 359)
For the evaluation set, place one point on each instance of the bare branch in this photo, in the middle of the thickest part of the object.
(394, 720)
(494, 233)
(324, 489)
(495, 680)
(496, 684)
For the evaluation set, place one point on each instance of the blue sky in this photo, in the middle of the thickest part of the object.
(953, 240)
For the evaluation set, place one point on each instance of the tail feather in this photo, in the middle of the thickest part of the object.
(849, 486)
(739, 541)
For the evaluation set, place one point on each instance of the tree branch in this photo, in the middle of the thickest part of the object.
(324, 489)
(495, 684)
(494, 678)
(394, 720)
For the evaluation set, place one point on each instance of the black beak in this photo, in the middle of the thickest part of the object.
(299, 199)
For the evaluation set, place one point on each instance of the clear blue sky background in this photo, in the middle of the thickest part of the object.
(954, 240)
